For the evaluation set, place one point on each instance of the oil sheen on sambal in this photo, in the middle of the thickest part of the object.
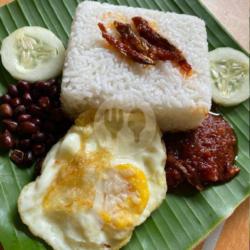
(202, 156)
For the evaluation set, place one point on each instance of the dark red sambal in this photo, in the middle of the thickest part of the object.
(202, 156)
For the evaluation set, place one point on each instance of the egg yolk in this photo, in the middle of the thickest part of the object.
(126, 195)
(74, 185)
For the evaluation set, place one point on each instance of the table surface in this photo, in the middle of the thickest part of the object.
(233, 234)
(234, 15)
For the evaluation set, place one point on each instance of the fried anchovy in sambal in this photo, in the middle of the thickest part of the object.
(128, 36)
(147, 32)
(124, 48)
(146, 47)
(202, 156)
(154, 38)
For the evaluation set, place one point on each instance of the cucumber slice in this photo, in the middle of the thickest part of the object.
(32, 54)
(230, 76)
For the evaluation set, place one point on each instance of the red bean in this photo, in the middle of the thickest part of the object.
(27, 127)
(5, 98)
(23, 86)
(22, 159)
(56, 103)
(35, 93)
(38, 149)
(5, 110)
(42, 86)
(15, 102)
(44, 102)
(6, 140)
(28, 158)
(48, 126)
(1, 246)
(36, 121)
(56, 115)
(10, 125)
(35, 110)
(54, 92)
(12, 90)
(20, 109)
(38, 137)
(23, 118)
(50, 139)
(26, 98)
(24, 143)
(38, 166)
(18, 157)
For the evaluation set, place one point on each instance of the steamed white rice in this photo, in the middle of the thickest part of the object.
(95, 73)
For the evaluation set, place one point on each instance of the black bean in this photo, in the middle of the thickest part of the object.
(10, 125)
(38, 149)
(44, 102)
(24, 144)
(15, 102)
(38, 137)
(26, 98)
(6, 110)
(20, 109)
(23, 118)
(23, 86)
(6, 140)
(5, 98)
(12, 90)
(27, 127)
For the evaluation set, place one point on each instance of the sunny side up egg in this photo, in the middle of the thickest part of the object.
(91, 197)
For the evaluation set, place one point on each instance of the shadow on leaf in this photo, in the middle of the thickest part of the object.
(17, 222)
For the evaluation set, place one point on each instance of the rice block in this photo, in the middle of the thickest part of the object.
(94, 72)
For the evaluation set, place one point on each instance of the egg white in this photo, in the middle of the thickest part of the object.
(84, 229)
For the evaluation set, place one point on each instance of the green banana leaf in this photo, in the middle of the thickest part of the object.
(184, 218)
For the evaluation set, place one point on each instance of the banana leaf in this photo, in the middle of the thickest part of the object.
(185, 217)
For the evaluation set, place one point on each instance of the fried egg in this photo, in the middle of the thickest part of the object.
(92, 193)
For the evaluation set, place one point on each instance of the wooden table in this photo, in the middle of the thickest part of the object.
(233, 234)
(234, 15)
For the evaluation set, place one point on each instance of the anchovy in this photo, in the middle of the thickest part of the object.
(124, 48)
(154, 38)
